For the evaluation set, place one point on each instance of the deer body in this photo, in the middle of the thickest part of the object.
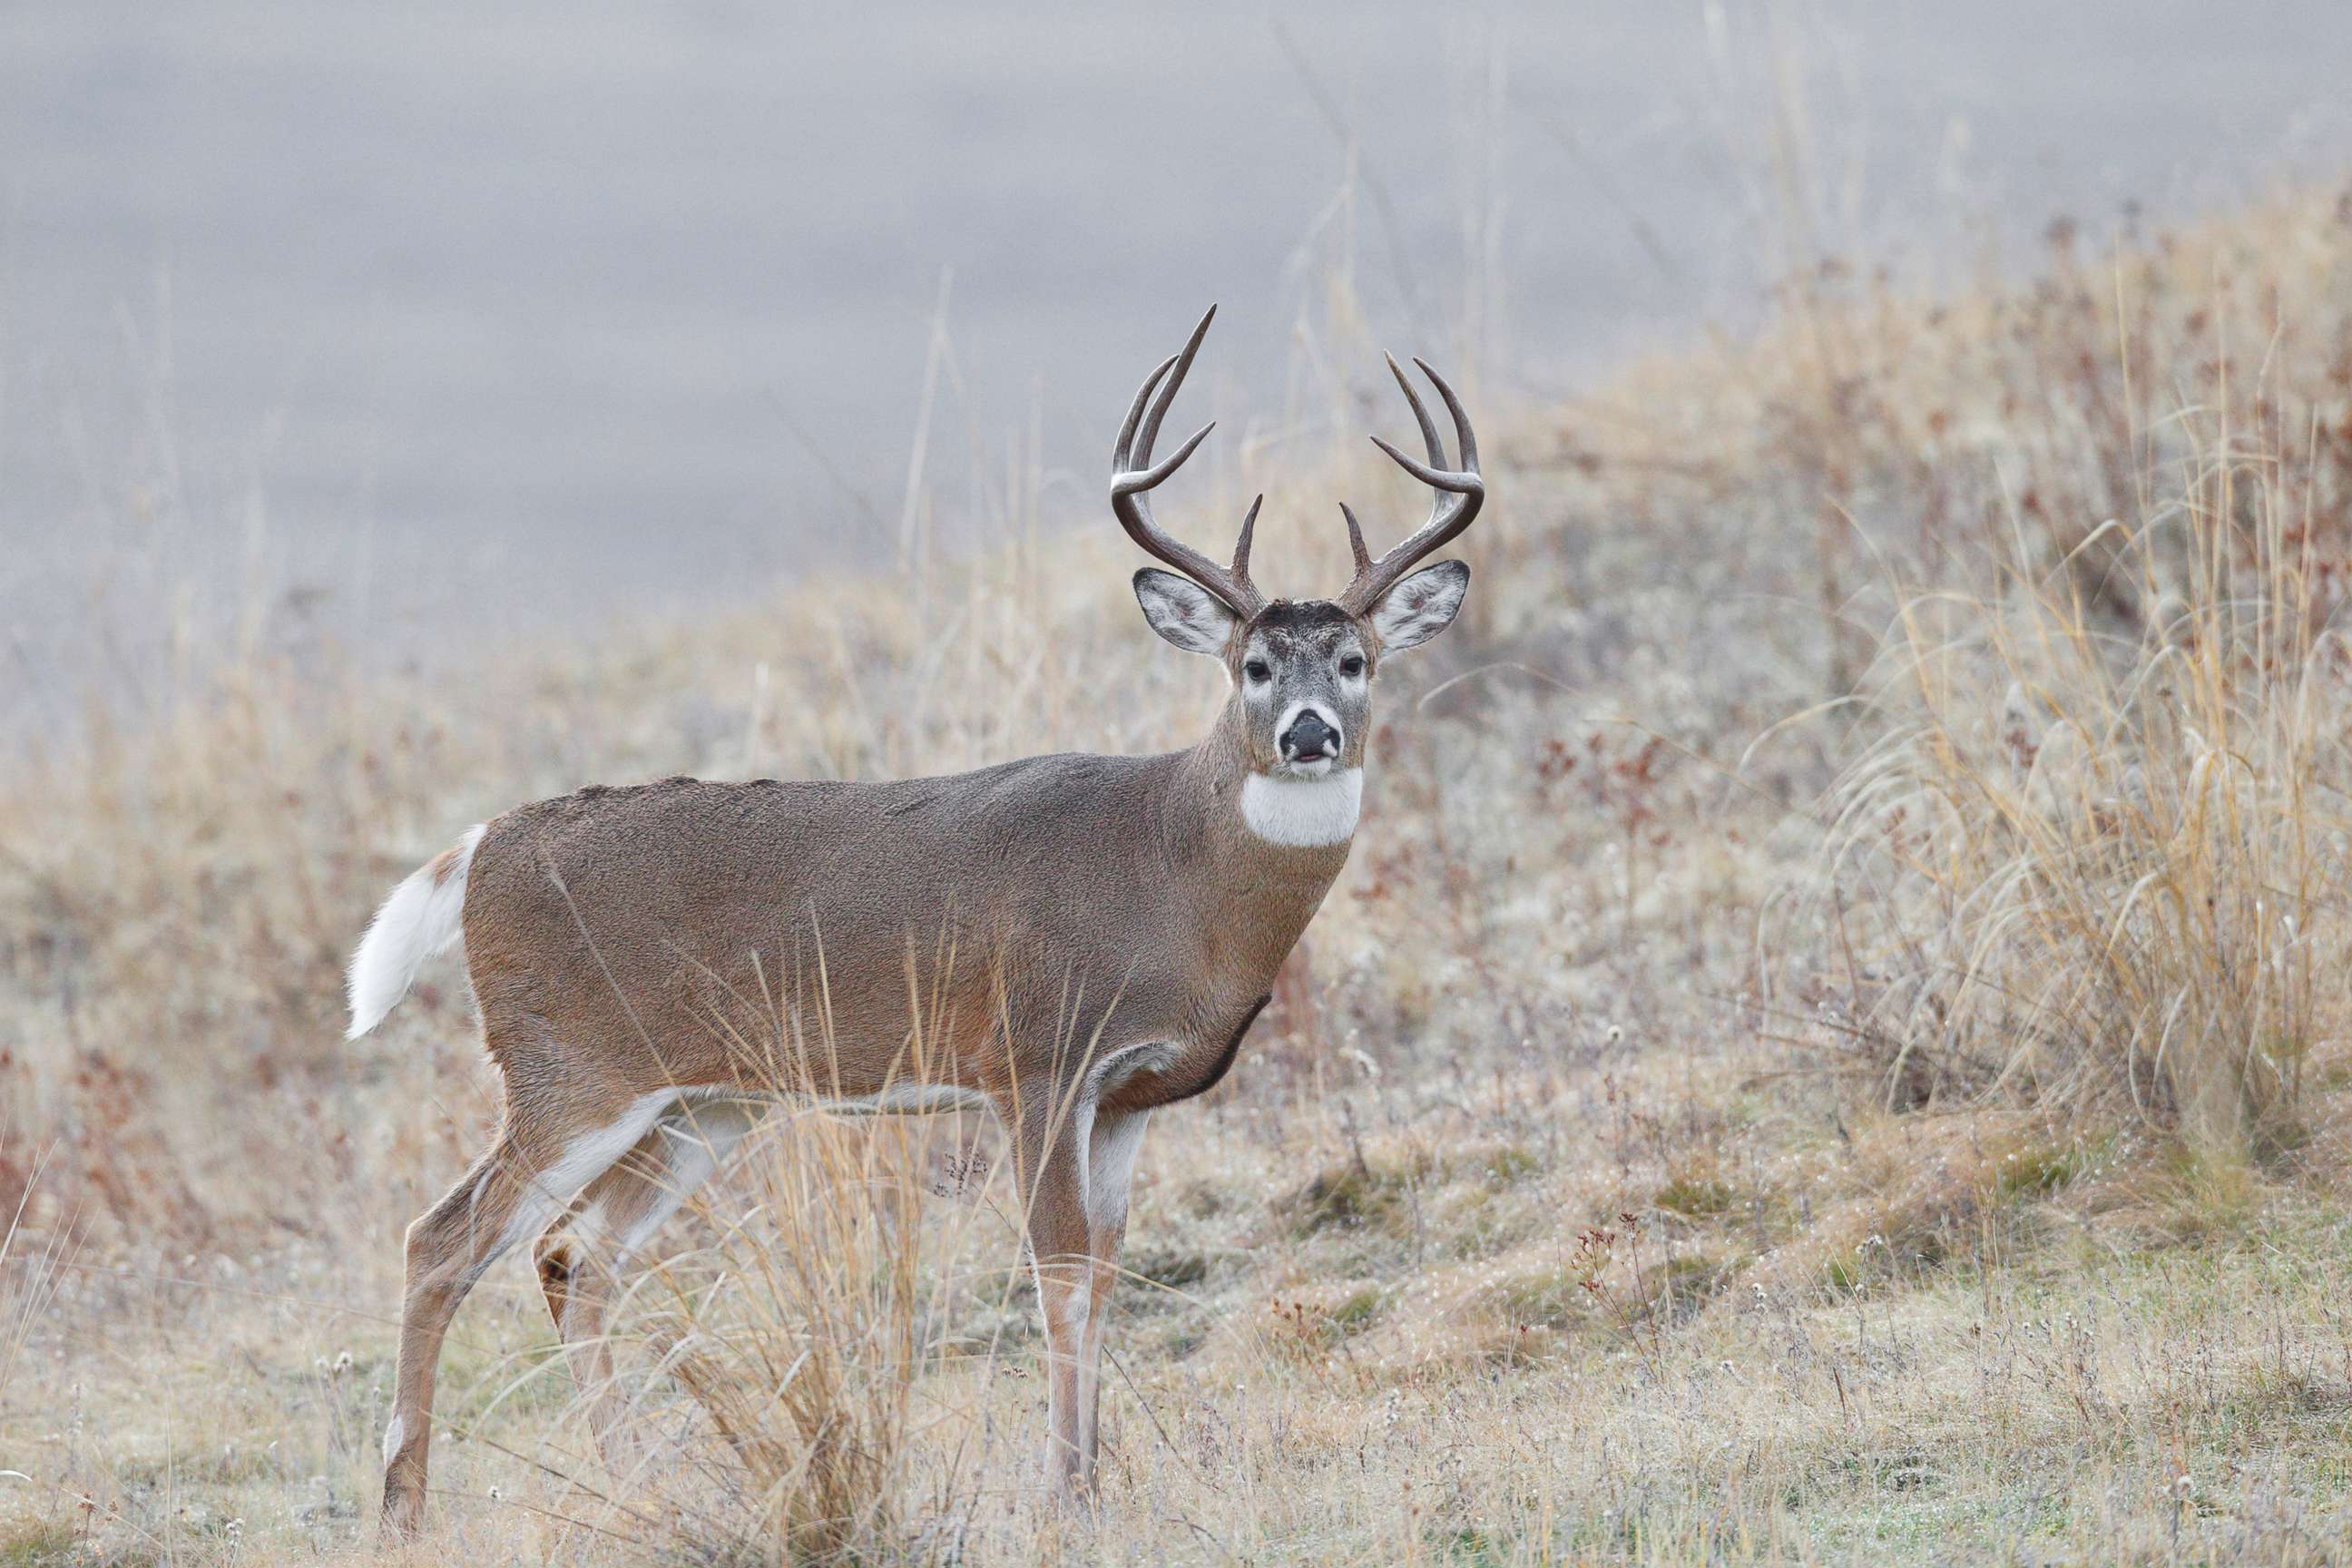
(1072, 942)
(959, 931)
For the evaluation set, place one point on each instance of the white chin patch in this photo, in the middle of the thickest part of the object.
(1303, 813)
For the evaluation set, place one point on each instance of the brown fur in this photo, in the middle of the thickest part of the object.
(787, 937)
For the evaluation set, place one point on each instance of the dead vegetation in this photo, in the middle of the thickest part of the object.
(1830, 1046)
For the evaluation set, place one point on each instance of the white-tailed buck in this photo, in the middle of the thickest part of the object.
(1074, 941)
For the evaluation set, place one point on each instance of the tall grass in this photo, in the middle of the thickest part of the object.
(2097, 859)
(28, 1278)
(833, 1319)
(823, 1290)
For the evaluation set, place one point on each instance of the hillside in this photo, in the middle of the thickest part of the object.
(1831, 1044)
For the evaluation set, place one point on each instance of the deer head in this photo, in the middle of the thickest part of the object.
(1302, 670)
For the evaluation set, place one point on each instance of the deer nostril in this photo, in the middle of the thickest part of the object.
(1310, 736)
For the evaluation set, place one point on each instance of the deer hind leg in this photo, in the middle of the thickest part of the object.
(583, 1257)
(520, 1181)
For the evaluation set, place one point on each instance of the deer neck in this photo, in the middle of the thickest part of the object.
(1269, 848)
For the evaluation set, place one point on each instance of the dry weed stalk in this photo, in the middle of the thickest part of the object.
(28, 1278)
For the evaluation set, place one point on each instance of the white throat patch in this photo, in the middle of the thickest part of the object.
(1303, 813)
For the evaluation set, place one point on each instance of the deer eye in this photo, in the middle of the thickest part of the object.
(1258, 670)
(1351, 665)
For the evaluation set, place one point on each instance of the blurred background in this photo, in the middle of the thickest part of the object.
(407, 325)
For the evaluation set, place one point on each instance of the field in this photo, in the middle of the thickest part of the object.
(1831, 1044)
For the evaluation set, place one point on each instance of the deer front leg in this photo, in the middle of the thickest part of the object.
(1050, 1141)
(1112, 1144)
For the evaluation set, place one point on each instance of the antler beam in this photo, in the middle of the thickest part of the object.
(1461, 493)
(1134, 476)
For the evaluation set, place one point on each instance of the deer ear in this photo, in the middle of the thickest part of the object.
(1421, 607)
(1183, 612)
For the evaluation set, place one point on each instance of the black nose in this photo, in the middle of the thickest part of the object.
(1309, 737)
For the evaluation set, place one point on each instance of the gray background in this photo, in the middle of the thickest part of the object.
(440, 320)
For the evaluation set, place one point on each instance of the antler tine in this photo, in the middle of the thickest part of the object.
(1183, 361)
(1421, 414)
(1118, 453)
(1464, 436)
(1249, 529)
(1447, 517)
(1356, 542)
(1134, 474)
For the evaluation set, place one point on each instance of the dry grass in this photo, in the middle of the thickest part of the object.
(803, 1332)
(2100, 857)
(1830, 1046)
(28, 1278)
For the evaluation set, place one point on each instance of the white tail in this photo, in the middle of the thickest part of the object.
(423, 917)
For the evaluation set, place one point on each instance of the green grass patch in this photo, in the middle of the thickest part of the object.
(1350, 1197)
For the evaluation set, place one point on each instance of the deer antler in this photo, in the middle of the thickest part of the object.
(1460, 494)
(1133, 474)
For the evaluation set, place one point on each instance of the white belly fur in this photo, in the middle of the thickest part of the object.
(904, 1097)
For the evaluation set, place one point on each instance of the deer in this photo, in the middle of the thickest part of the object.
(1069, 941)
